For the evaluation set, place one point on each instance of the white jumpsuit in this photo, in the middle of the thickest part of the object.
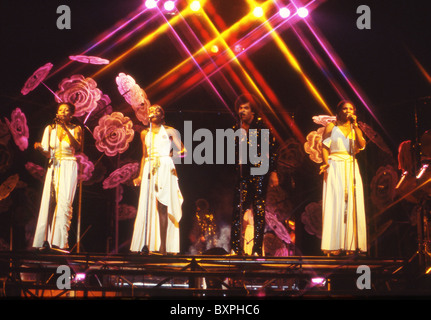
(60, 182)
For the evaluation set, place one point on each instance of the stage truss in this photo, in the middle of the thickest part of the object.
(37, 275)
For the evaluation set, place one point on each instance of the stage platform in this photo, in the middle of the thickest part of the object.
(40, 275)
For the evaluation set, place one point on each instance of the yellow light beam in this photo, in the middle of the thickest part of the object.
(142, 42)
(290, 57)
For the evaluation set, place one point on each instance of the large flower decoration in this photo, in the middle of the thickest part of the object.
(103, 108)
(290, 154)
(312, 219)
(121, 175)
(18, 128)
(126, 212)
(80, 91)
(313, 145)
(383, 186)
(113, 134)
(37, 77)
(85, 167)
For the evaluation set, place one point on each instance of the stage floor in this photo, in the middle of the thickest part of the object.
(91, 275)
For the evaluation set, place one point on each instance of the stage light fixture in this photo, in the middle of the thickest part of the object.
(169, 5)
(214, 49)
(151, 4)
(258, 12)
(284, 12)
(80, 277)
(195, 6)
(302, 12)
(318, 281)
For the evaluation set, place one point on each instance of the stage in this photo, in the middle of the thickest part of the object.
(38, 275)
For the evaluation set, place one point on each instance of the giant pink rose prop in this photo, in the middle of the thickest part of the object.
(18, 128)
(113, 134)
(80, 91)
(127, 212)
(85, 167)
(103, 107)
(290, 154)
(312, 218)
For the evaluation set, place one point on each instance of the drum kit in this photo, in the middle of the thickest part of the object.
(415, 186)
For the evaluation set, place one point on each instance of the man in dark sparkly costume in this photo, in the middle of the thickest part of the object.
(250, 190)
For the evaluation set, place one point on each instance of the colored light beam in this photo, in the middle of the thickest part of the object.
(421, 68)
(142, 42)
(222, 36)
(291, 58)
(194, 60)
(108, 35)
(337, 62)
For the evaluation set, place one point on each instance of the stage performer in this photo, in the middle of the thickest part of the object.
(60, 141)
(342, 140)
(159, 212)
(250, 190)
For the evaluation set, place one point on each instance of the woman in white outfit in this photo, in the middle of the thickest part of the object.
(159, 212)
(59, 143)
(342, 139)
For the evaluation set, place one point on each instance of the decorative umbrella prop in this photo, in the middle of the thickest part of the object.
(366, 129)
(89, 59)
(37, 78)
(279, 229)
(8, 186)
(134, 95)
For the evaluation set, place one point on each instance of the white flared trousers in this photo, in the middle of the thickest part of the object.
(60, 181)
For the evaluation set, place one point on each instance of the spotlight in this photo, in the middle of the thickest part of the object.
(214, 49)
(151, 4)
(284, 12)
(238, 48)
(169, 5)
(80, 277)
(195, 6)
(258, 12)
(302, 12)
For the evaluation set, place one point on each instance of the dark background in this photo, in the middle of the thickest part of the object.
(378, 61)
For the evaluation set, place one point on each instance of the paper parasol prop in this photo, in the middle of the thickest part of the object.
(134, 95)
(323, 119)
(89, 59)
(37, 78)
(7, 187)
(279, 229)
(368, 131)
